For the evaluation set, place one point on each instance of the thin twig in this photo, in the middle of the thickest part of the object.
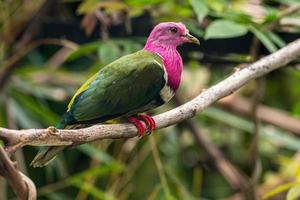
(253, 156)
(34, 24)
(287, 12)
(159, 168)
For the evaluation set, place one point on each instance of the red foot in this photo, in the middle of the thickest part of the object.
(138, 124)
(137, 121)
(149, 121)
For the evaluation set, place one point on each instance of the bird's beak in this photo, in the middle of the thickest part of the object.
(191, 39)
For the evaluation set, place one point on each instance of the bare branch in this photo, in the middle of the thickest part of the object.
(23, 187)
(51, 136)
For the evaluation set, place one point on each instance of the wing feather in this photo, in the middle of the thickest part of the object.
(83, 88)
(126, 85)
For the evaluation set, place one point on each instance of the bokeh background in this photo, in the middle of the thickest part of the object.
(243, 147)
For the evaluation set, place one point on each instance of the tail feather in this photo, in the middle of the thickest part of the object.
(46, 155)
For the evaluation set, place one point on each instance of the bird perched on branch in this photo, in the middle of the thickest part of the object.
(130, 85)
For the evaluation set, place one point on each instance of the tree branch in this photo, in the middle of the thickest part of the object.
(51, 136)
(23, 187)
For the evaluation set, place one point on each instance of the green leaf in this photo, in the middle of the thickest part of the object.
(143, 2)
(94, 172)
(100, 171)
(293, 193)
(194, 29)
(95, 153)
(2, 114)
(84, 50)
(296, 109)
(240, 18)
(278, 190)
(37, 109)
(108, 52)
(131, 45)
(267, 42)
(40, 91)
(77, 180)
(58, 196)
(276, 136)
(92, 190)
(180, 184)
(200, 9)
(88, 6)
(276, 39)
(217, 5)
(224, 29)
(272, 15)
(21, 116)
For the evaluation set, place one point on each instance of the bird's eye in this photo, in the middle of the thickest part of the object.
(173, 30)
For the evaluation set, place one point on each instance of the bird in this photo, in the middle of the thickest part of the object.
(129, 86)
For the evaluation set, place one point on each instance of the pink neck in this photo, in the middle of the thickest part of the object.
(172, 61)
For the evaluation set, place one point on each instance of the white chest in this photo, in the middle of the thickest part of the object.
(166, 93)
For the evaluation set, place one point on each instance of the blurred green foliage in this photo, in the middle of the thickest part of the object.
(169, 164)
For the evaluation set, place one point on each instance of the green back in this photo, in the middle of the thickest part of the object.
(125, 86)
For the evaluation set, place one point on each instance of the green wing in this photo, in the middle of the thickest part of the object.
(126, 86)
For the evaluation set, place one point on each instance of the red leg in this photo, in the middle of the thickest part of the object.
(138, 124)
(149, 121)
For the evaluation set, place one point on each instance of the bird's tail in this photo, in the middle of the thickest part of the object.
(47, 154)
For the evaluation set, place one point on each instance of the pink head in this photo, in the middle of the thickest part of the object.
(170, 34)
(163, 40)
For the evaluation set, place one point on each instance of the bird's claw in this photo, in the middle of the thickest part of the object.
(138, 124)
(52, 130)
(151, 125)
(137, 121)
(236, 69)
